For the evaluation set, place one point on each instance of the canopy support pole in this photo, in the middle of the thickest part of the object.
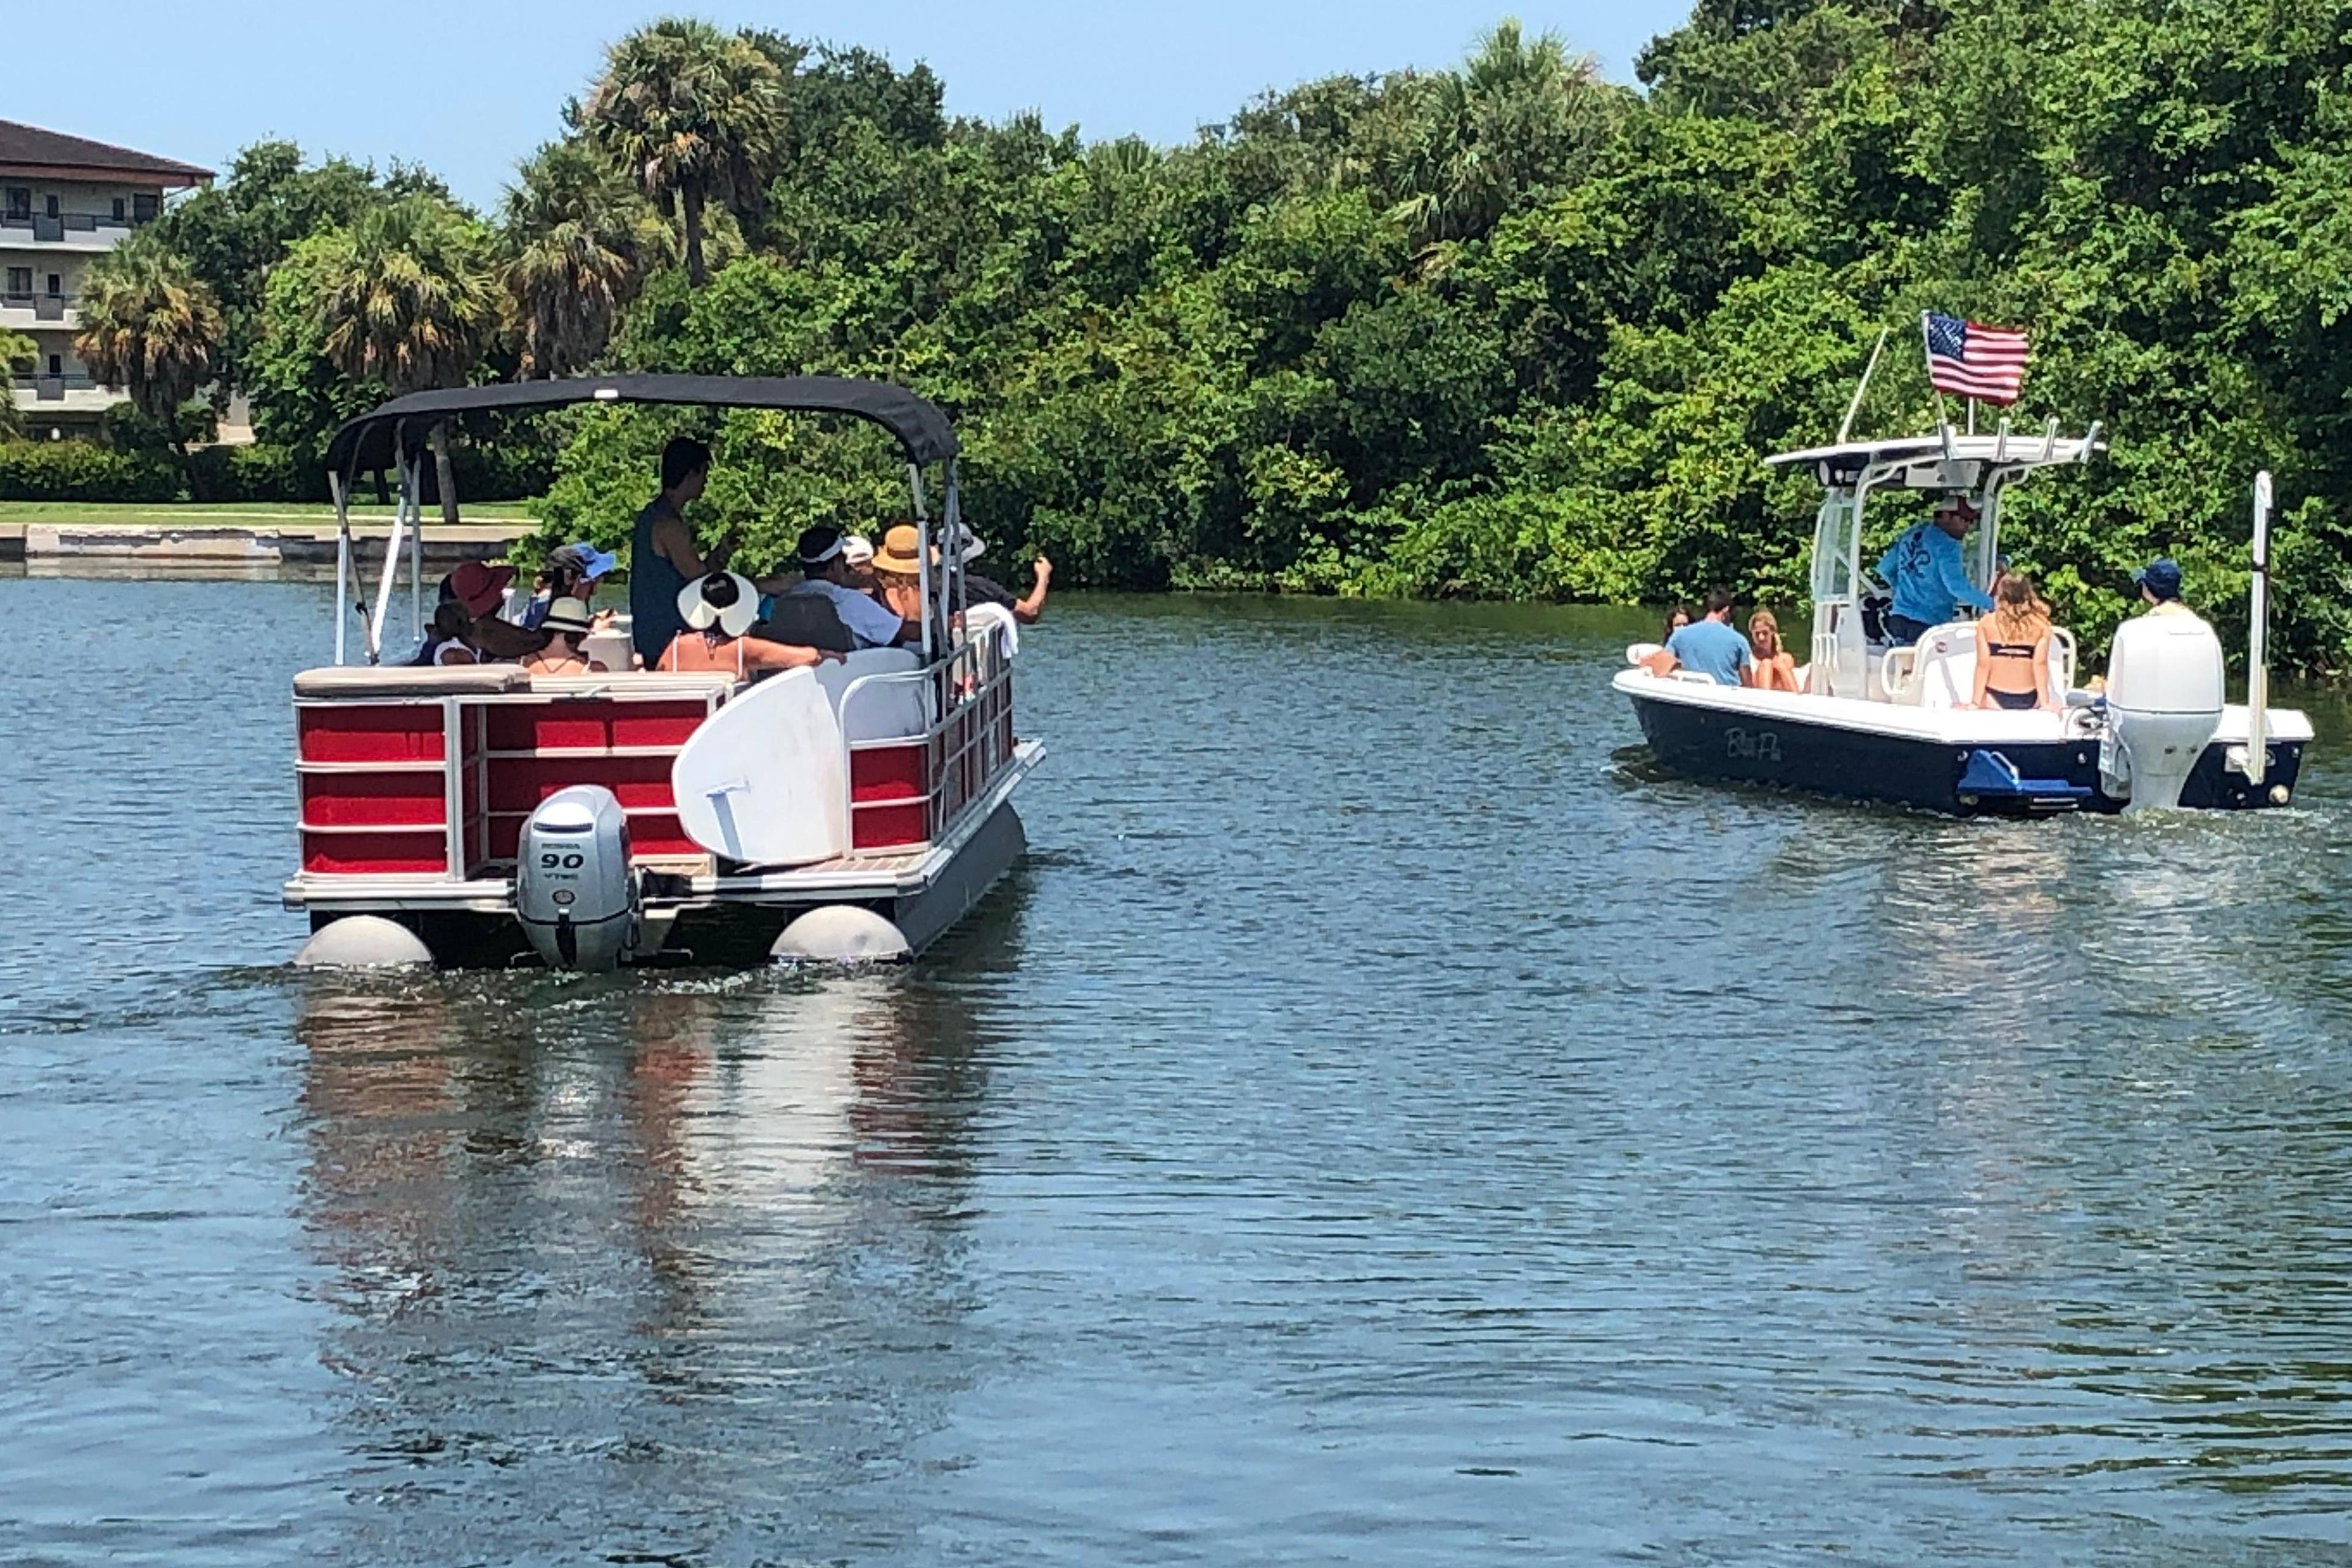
(401, 516)
(342, 561)
(416, 552)
(922, 555)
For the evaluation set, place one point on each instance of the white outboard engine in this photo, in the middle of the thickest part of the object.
(574, 892)
(2164, 703)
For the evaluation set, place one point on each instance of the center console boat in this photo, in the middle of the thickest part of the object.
(1879, 722)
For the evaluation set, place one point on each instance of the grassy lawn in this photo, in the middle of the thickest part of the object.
(237, 514)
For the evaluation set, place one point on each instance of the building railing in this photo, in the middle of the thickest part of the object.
(46, 230)
(53, 388)
(45, 306)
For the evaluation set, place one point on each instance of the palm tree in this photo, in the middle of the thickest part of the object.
(578, 243)
(690, 115)
(15, 349)
(151, 327)
(409, 302)
(1517, 116)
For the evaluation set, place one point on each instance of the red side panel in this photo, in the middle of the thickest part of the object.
(888, 826)
(355, 800)
(369, 733)
(520, 783)
(655, 833)
(593, 725)
(886, 772)
(660, 834)
(887, 790)
(374, 853)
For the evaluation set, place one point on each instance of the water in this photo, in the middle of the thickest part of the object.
(1382, 1122)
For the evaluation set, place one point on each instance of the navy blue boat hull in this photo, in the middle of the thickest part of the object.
(1693, 740)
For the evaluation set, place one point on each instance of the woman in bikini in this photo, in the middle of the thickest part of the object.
(566, 623)
(2014, 648)
(1773, 668)
(718, 610)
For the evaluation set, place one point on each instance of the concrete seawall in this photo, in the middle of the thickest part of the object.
(117, 545)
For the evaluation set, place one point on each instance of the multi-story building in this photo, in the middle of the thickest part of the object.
(64, 201)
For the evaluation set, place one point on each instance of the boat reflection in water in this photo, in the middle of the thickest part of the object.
(579, 1236)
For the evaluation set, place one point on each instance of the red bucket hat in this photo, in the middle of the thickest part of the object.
(480, 588)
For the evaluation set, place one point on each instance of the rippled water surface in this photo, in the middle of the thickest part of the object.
(1382, 1121)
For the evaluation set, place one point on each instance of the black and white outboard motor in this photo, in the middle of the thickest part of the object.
(2164, 703)
(574, 892)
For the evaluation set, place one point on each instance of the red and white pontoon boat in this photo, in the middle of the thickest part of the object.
(476, 814)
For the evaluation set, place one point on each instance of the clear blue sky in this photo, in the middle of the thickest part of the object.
(467, 89)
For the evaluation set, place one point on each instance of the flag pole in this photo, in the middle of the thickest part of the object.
(1942, 420)
(1845, 425)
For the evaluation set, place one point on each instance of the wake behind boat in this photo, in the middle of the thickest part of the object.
(1878, 721)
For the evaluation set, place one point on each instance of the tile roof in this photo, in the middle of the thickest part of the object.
(29, 146)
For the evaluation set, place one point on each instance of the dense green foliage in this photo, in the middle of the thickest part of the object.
(83, 470)
(1506, 330)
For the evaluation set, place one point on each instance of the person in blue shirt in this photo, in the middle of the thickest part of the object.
(1708, 645)
(1927, 576)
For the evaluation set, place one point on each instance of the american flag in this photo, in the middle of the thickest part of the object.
(1975, 361)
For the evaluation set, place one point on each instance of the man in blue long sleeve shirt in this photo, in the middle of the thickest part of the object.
(1926, 575)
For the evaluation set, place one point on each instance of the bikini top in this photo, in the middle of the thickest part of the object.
(1995, 648)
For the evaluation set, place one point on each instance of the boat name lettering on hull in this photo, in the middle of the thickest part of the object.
(1752, 745)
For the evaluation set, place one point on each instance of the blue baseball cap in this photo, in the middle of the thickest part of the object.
(2160, 577)
(593, 563)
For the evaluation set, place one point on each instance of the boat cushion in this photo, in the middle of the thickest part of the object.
(410, 681)
(635, 682)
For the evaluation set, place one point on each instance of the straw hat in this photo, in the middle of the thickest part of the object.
(723, 599)
(568, 615)
(901, 552)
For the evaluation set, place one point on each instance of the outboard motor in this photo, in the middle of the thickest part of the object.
(2164, 703)
(574, 892)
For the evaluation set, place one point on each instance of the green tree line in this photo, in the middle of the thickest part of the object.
(1506, 330)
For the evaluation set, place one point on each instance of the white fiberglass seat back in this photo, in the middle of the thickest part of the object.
(887, 698)
(765, 779)
(1940, 672)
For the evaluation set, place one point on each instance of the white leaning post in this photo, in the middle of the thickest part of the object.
(2258, 669)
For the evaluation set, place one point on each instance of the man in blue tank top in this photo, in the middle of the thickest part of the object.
(663, 556)
(1708, 645)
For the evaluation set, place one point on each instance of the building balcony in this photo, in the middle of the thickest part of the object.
(66, 231)
(38, 394)
(25, 313)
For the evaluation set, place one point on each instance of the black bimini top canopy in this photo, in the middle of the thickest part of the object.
(374, 439)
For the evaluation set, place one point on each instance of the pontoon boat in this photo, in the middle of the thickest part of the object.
(476, 814)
